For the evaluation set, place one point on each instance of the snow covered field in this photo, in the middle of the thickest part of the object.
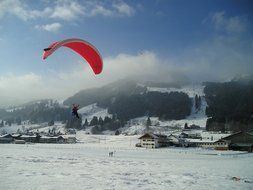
(86, 165)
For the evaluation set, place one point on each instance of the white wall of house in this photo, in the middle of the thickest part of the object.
(149, 143)
(214, 145)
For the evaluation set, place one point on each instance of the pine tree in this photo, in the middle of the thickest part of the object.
(2, 124)
(74, 123)
(86, 123)
(114, 117)
(117, 132)
(100, 121)
(107, 120)
(94, 121)
(51, 123)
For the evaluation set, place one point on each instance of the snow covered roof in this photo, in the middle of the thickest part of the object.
(16, 135)
(238, 133)
(214, 135)
(202, 141)
(173, 135)
(47, 137)
(153, 136)
(28, 136)
(6, 136)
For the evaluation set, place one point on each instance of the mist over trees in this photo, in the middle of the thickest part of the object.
(103, 95)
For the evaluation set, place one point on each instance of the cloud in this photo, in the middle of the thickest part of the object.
(100, 10)
(233, 24)
(124, 9)
(13, 7)
(66, 10)
(54, 27)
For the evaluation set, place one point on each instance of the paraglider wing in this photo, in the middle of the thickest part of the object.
(83, 48)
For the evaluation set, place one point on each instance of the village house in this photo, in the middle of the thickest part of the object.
(7, 138)
(150, 140)
(16, 135)
(217, 145)
(190, 133)
(242, 141)
(30, 138)
(56, 139)
(22, 139)
(173, 140)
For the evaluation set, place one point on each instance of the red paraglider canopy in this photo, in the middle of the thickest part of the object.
(83, 48)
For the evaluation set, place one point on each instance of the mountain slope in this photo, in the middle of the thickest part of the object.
(128, 99)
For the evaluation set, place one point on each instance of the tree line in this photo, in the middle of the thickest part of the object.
(166, 106)
(98, 124)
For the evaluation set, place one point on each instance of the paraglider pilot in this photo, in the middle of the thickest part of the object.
(74, 110)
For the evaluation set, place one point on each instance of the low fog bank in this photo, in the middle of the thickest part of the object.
(147, 67)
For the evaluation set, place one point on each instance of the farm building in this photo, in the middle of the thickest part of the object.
(21, 139)
(16, 136)
(7, 138)
(217, 145)
(204, 143)
(240, 141)
(57, 139)
(173, 140)
(30, 138)
(150, 140)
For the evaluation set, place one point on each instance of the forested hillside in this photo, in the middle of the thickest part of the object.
(230, 105)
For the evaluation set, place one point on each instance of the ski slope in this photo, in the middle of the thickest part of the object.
(88, 112)
(197, 117)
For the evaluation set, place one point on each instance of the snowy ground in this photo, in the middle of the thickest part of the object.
(86, 165)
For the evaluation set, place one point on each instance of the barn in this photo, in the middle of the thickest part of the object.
(242, 141)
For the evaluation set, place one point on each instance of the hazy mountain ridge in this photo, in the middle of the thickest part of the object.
(104, 95)
(35, 112)
(228, 105)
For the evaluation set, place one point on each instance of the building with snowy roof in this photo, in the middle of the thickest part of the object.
(240, 141)
(150, 140)
(7, 138)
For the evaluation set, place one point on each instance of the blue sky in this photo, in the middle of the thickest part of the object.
(198, 40)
